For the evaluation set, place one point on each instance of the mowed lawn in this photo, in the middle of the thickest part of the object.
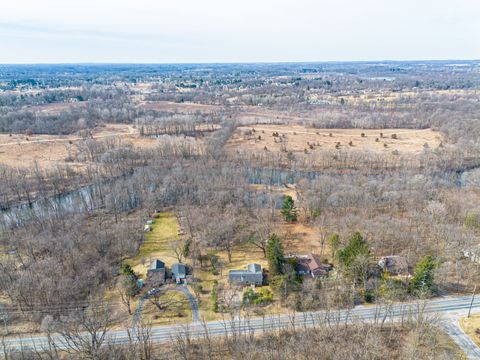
(157, 244)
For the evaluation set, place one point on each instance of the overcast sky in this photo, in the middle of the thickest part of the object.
(158, 31)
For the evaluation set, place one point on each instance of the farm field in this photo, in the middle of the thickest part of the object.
(298, 138)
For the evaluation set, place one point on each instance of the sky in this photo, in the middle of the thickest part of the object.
(193, 31)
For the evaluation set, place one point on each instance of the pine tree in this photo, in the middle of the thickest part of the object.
(275, 255)
(423, 278)
(356, 246)
(289, 211)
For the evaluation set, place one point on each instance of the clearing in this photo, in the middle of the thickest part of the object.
(48, 151)
(296, 238)
(297, 138)
(157, 242)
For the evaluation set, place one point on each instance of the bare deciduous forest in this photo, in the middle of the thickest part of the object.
(258, 163)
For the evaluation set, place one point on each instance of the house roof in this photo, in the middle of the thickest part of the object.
(157, 264)
(179, 269)
(254, 268)
(313, 264)
(251, 269)
(393, 263)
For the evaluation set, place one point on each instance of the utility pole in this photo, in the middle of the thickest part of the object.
(473, 298)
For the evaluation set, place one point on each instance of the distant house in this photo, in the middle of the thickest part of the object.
(179, 272)
(156, 273)
(310, 264)
(394, 264)
(473, 254)
(253, 275)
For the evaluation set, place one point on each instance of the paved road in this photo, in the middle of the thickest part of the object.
(452, 328)
(448, 308)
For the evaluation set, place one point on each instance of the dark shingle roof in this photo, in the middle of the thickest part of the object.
(157, 264)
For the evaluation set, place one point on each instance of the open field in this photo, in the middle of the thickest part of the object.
(19, 150)
(300, 139)
(392, 97)
(57, 107)
(185, 107)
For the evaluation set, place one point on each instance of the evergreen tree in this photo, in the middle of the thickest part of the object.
(275, 255)
(289, 211)
(356, 246)
(423, 278)
(334, 243)
(355, 258)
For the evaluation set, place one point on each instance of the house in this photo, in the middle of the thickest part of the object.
(179, 272)
(156, 273)
(473, 254)
(310, 264)
(253, 275)
(394, 264)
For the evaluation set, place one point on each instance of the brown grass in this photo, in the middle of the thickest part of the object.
(48, 151)
(186, 107)
(470, 325)
(299, 138)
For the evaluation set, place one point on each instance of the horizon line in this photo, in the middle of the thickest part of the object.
(239, 62)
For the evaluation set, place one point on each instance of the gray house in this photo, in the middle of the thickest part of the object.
(179, 272)
(253, 275)
(156, 273)
(394, 264)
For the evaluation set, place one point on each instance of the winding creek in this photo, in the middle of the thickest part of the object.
(84, 198)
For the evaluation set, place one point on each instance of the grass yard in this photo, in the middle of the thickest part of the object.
(177, 310)
(165, 229)
(470, 325)
(296, 238)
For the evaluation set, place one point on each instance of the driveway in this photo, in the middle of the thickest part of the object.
(180, 288)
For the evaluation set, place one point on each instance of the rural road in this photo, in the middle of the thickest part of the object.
(449, 309)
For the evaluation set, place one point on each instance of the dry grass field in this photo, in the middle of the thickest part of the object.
(298, 138)
(20, 150)
(185, 107)
(471, 326)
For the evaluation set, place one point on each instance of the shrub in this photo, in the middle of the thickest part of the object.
(263, 297)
